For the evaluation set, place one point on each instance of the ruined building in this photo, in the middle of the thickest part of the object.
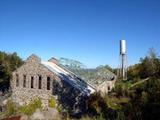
(36, 78)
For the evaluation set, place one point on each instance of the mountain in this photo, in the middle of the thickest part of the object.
(72, 64)
(93, 76)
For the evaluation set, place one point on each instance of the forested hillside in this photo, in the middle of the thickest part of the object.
(8, 63)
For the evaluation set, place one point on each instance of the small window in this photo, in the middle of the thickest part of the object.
(48, 83)
(109, 88)
(24, 80)
(40, 82)
(17, 80)
(32, 82)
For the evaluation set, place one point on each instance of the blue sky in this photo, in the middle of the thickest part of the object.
(85, 30)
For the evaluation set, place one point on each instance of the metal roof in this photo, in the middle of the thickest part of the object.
(70, 78)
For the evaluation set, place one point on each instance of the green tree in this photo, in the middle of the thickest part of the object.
(8, 63)
(149, 65)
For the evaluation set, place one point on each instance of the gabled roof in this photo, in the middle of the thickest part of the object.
(69, 77)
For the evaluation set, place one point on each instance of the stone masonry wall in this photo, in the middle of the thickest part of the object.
(106, 86)
(32, 67)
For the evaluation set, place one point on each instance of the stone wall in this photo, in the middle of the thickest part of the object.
(65, 93)
(106, 86)
(32, 68)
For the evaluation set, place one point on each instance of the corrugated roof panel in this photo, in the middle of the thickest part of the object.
(68, 77)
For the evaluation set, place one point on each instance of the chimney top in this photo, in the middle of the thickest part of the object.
(33, 58)
(53, 60)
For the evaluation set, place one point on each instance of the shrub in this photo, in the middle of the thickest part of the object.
(28, 110)
(52, 102)
(31, 107)
(11, 108)
(121, 89)
(59, 108)
(37, 103)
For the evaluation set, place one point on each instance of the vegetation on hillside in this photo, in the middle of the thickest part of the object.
(138, 98)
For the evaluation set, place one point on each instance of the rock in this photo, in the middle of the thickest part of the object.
(52, 114)
(4, 102)
(38, 115)
(24, 117)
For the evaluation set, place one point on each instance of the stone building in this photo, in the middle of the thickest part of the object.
(36, 78)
